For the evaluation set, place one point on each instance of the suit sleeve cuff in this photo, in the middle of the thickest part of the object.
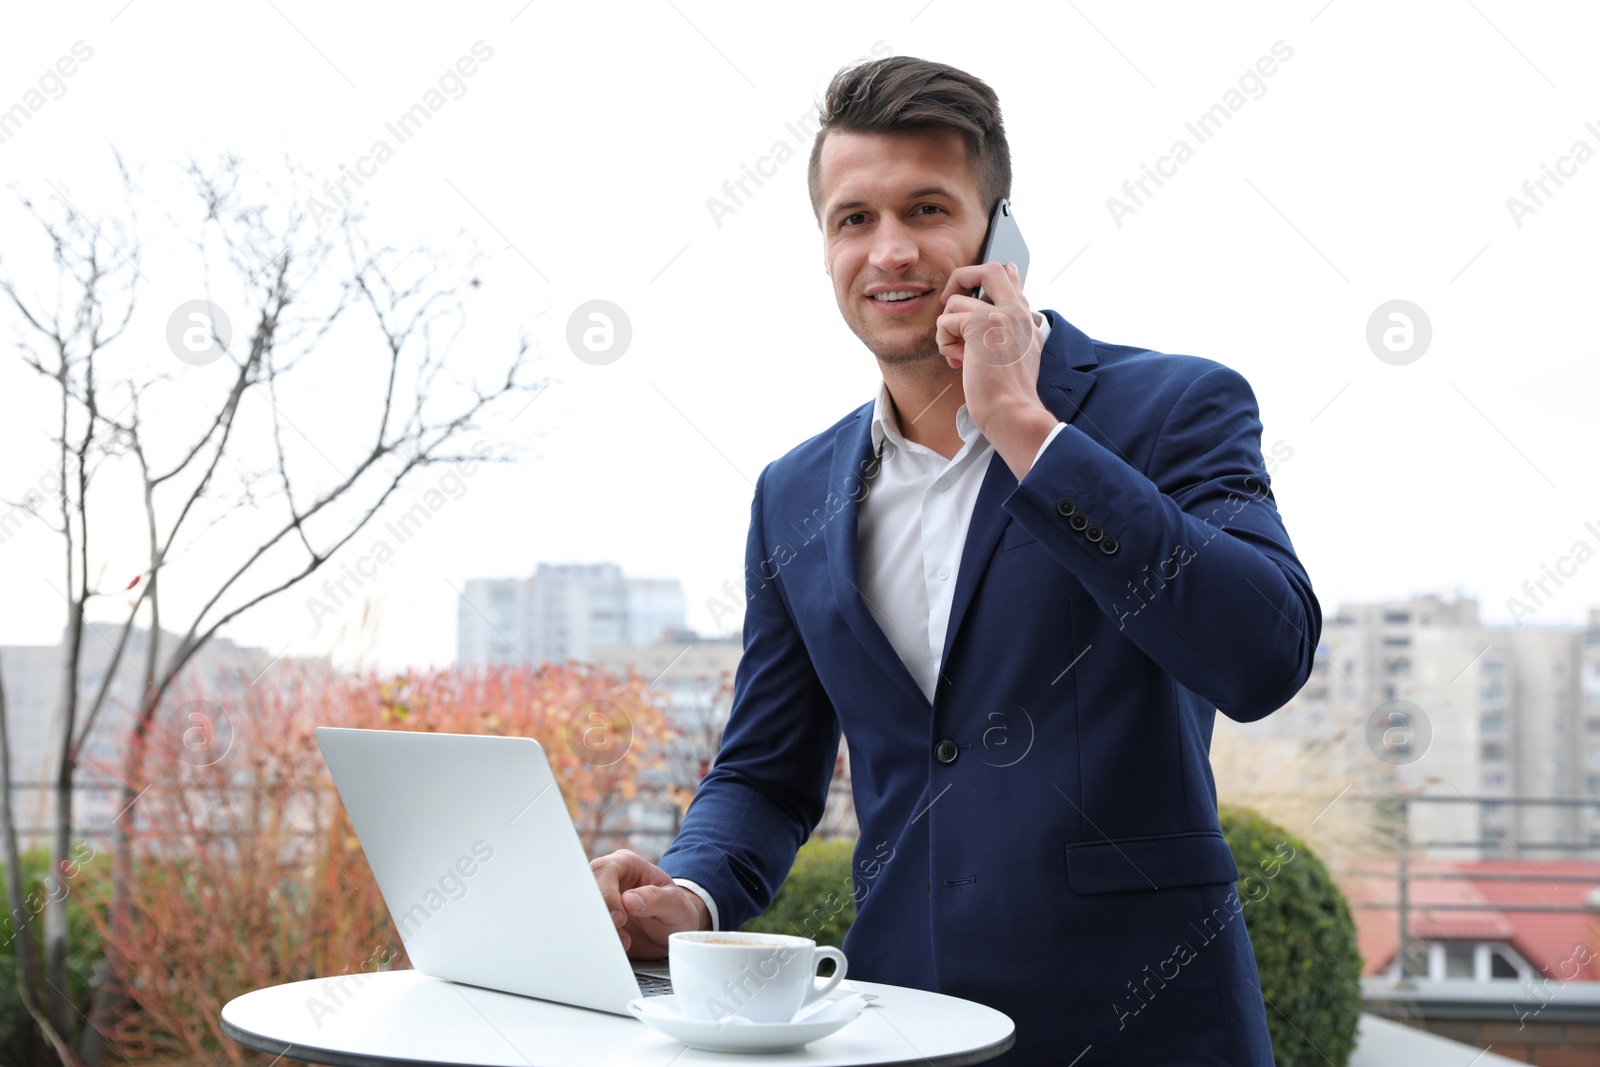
(1051, 436)
(711, 905)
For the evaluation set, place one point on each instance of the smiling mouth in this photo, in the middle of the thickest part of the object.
(894, 299)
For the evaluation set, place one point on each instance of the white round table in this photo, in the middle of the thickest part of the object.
(402, 1017)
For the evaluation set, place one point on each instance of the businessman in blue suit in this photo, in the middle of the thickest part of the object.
(1021, 582)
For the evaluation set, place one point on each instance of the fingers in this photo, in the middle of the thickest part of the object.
(948, 327)
(663, 904)
(1001, 284)
(607, 877)
(998, 281)
(619, 872)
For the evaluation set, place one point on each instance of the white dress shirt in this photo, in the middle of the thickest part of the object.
(912, 529)
(910, 533)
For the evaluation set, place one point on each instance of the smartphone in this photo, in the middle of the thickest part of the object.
(1004, 243)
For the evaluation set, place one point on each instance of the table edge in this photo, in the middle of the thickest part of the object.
(334, 1058)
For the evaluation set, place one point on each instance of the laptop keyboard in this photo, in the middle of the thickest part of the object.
(653, 985)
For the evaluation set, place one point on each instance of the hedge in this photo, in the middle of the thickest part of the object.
(1304, 939)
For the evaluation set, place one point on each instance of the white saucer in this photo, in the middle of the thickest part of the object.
(662, 1013)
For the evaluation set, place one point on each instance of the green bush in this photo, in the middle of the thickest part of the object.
(19, 1042)
(1304, 939)
(817, 899)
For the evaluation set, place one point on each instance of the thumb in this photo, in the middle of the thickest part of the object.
(647, 900)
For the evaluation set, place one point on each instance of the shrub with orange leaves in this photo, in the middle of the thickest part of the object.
(247, 872)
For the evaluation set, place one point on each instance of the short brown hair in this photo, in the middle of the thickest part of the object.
(903, 94)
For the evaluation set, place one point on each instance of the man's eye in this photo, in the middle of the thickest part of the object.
(846, 220)
(934, 207)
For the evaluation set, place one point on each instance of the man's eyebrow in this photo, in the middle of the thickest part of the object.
(915, 194)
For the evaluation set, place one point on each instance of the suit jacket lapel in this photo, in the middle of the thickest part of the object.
(852, 455)
(1064, 383)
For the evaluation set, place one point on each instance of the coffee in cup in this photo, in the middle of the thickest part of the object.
(719, 975)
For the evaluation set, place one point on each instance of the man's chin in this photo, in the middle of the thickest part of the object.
(904, 354)
(903, 357)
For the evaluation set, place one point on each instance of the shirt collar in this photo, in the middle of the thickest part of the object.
(883, 420)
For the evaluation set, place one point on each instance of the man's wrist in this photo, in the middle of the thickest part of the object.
(1022, 438)
(707, 908)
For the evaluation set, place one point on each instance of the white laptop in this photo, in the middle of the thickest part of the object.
(482, 871)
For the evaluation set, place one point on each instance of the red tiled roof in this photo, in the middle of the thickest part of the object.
(1557, 943)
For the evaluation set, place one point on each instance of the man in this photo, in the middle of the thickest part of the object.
(1021, 581)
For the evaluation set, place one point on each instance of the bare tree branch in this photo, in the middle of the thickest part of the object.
(403, 311)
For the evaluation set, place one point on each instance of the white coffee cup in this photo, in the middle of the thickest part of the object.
(760, 978)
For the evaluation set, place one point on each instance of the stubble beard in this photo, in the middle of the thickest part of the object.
(922, 351)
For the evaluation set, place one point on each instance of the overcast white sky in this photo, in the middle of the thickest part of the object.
(1374, 164)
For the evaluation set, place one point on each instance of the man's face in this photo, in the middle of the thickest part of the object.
(899, 212)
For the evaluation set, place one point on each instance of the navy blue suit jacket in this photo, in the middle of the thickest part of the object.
(1043, 836)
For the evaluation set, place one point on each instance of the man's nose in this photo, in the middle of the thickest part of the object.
(892, 249)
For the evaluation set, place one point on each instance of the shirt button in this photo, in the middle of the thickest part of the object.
(943, 572)
(946, 751)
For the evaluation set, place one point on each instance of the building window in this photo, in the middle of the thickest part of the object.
(1397, 617)
(1493, 722)
(1494, 750)
(1465, 961)
(1401, 641)
(1494, 780)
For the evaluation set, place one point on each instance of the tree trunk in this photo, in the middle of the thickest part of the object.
(58, 1005)
(62, 1015)
(110, 999)
(27, 958)
(22, 928)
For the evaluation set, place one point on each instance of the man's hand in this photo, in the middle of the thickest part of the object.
(996, 347)
(645, 903)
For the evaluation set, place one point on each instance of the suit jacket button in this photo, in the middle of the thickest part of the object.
(1078, 521)
(1109, 546)
(1094, 533)
(1065, 506)
(946, 751)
